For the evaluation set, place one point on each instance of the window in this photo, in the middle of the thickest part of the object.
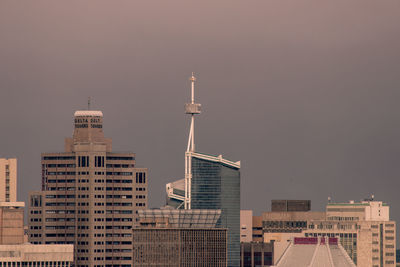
(140, 178)
(99, 161)
(83, 161)
(36, 201)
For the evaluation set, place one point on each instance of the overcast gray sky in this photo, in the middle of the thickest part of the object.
(304, 93)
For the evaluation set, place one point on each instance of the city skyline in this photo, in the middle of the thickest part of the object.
(311, 115)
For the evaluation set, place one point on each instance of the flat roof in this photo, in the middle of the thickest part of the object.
(216, 159)
(92, 113)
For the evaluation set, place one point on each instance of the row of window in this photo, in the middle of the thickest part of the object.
(59, 165)
(60, 173)
(58, 158)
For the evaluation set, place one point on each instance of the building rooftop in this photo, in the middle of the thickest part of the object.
(216, 159)
(92, 113)
(174, 218)
(313, 252)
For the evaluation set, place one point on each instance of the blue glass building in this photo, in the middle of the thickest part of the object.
(215, 184)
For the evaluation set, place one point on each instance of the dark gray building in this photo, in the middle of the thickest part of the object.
(291, 205)
(215, 184)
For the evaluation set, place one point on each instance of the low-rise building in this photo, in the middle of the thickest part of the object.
(174, 238)
(36, 255)
(364, 229)
(14, 251)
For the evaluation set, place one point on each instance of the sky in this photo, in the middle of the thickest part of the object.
(304, 93)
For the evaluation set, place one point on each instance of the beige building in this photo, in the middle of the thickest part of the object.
(11, 223)
(90, 196)
(16, 253)
(364, 229)
(8, 180)
(36, 255)
(246, 226)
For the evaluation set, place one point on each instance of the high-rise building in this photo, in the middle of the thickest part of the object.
(8, 180)
(215, 184)
(89, 197)
(211, 182)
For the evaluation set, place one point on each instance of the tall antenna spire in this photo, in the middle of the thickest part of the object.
(190, 108)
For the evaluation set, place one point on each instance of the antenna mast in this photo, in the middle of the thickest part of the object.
(88, 103)
(190, 108)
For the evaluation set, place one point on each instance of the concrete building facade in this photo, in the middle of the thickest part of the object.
(179, 247)
(11, 223)
(246, 226)
(364, 229)
(256, 254)
(89, 198)
(36, 255)
(179, 237)
(8, 180)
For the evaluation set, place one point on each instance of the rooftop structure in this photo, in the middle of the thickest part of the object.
(290, 205)
(315, 252)
(176, 194)
(175, 218)
(367, 210)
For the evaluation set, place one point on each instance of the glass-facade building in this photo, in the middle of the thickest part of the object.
(215, 184)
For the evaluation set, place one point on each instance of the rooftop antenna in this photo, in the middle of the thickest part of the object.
(190, 108)
(88, 103)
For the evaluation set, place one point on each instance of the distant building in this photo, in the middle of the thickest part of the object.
(89, 196)
(364, 229)
(316, 251)
(175, 238)
(8, 180)
(291, 205)
(169, 247)
(11, 223)
(16, 253)
(246, 226)
(255, 254)
(367, 224)
(36, 255)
